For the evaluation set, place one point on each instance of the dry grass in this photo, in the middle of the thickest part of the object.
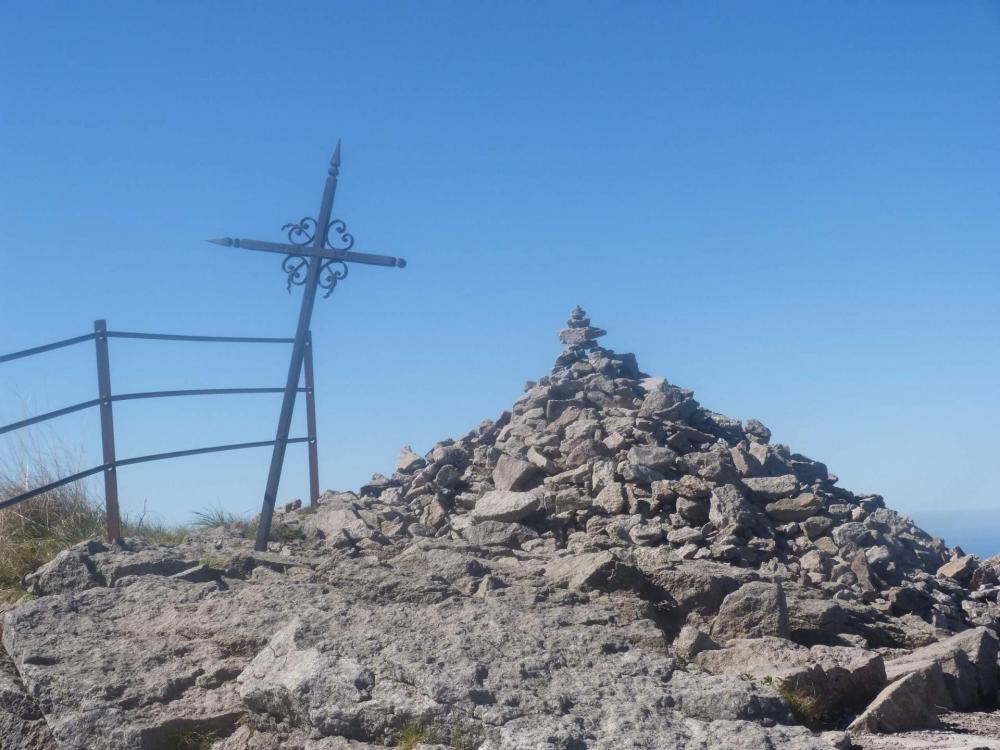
(412, 736)
(35, 531)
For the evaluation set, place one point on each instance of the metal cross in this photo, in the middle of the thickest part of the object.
(312, 261)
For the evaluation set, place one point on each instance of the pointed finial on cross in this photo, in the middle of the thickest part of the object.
(312, 260)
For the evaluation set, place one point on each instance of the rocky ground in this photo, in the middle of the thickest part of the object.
(607, 565)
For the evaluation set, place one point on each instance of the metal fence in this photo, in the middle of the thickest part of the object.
(105, 399)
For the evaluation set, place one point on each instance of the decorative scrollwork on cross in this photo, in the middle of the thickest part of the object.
(328, 277)
(346, 238)
(302, 232)
(296, 267)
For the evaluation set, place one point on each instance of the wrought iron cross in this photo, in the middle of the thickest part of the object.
(312, 261)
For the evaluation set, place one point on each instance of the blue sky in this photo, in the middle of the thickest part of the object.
(789, 207)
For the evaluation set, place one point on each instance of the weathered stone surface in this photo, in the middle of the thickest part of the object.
(754, 610)
(348, 652)
(409, 460)
(514, 474)
(338, 524)
(654, 457)
(611, 499)
(697, 586)
(797, 508)
(907, 703)
(815, 526)
(960, 569)
(968, 662)
(690, 642)
(506, 506)
(22, 724)
(498, 534)
(70, 570)
(730, 510)
(772, 488)
(834, 678)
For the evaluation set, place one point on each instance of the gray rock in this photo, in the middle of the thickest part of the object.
(70, 570)
(815, 526)
(690, 642)
(754, 610)
(22, 724)
(905, 704)
(498, 534)
(756, 429)
(337, 525)
(693, 511)
(698, 586)
(654, 457)
(730, 510)
(797, 508)
(409, 461)
(612, 498)
(959, 569)
(772, 488)
(852, 533)
(514, 474)
(685, 535)
(506, 506)
(968, 662)
(833, 679)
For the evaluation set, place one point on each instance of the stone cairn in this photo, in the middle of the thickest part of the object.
(579, 338)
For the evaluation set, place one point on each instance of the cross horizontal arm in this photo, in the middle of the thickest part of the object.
(287, 249)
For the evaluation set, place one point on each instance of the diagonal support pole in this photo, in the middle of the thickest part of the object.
(298, 352)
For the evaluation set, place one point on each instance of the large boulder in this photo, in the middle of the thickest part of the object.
(70, 570)
(697, 587)
(968, 663)
(960, 569)
(498, 534)
(832, 679)
(797, 508)
(730, 510)
(772, 488)
(908, 703)
(754, 610)
(515, 474)
(506, 506)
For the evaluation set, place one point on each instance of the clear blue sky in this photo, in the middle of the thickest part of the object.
(790, 207)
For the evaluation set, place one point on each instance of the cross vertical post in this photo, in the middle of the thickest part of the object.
(112, 518)
(298, 351)
(311, 261)
(311, 422)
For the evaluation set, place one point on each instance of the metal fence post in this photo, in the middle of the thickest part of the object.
(311, 422)
(113, 519)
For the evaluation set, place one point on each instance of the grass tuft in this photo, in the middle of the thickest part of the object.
(808, 708)
(412, 736)
(35, 531)
(192, 739)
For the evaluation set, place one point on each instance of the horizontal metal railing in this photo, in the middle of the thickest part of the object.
(137, 460)
(105, 399)
(47, 347)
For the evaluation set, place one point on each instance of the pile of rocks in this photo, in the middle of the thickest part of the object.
(600, 453)
(606, 565)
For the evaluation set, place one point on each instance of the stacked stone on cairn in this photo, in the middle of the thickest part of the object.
(579, 338)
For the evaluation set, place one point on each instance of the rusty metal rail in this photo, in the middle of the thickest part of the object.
(106, 398)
